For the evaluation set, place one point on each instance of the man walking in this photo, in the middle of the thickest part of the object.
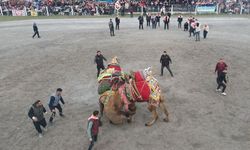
(99, 62)
(54, 103)
(93, 128)
(221, 68)
(35, 28)
(117, 23)
(165, 60)
(36, 113)
(111, 28)
(222, 82)
(141, 20)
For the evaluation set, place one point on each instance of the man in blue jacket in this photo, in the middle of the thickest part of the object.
(54, 103)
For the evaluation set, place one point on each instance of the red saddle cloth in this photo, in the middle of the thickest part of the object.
(142, 86)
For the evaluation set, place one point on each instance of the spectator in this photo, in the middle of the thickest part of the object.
(205, 31)
(179, 20)
(35, 28)
(111, 28)
(141, 20)
(117, 23)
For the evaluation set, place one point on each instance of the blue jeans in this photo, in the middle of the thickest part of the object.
(94, 139)
(197, 36)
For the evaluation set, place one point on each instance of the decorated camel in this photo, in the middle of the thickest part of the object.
(120, 91)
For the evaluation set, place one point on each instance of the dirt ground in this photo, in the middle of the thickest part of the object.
(200, 118)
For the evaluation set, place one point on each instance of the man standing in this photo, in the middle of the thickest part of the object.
(54, 103)
(93, 128)
(180, 19)
(153, 22)
(197, 31)
(99, 62)
(111, 28)
(205, 31)
(36, 113)
(166, 22)
(165, 60)
(35, 28)
(158, 18)
(117, 23)
(221, 68)
(141, 20)
(148, 18)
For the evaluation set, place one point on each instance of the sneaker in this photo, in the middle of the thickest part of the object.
(224, 93)
(62, 115)
(40, 135)
(218, 90)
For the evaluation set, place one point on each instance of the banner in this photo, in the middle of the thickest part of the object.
(206, 8)
(18, 12)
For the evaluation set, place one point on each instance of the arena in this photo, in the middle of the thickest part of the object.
(200, 118)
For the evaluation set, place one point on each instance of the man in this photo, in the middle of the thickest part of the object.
(148, 18)
(220, 67)
(153, 22)
(54, 103)
(99, 62)
(158, 18)
(197, 31)
(36, 113)
(141, 20)
(221, 80)
(165, 60)
(111, 28)
(205, 31)
(192, 29)
(179, 20)
(166, 22)
(186, 26)
(93, 128)
(117, 23)
(35, 28)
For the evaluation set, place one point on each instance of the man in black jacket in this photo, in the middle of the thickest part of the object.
(179, 20)
(36, 113)
(141, 20)
(148, 18)
(35, 28)
(54, 103)
(117, 23)
(99, 62)
(111, 28)
(165, 59)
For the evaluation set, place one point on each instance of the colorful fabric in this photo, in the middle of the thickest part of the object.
(138, 75)
(144, 90)
(104, 86)
(116, 67)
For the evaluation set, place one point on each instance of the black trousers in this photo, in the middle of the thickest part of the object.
(141, 26)
(94, 139)
(40, 123)
(167, 66)
(179, 24)
(112, 32)
(117, 27)
(221, 84)
(99, 67)
(197, 36)
(36, 33)
(158, 23)
(59, 108)
(148, 23)
(166, 26)
(205, 34)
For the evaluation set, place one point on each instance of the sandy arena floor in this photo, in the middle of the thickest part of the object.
(200, 118)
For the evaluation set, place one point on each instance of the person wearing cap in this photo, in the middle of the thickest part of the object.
(99, 62)
(93, 128)
(36, 114)
(35, 28)
(54, 103)
(111, 28)
(165, 60)
(220, 68)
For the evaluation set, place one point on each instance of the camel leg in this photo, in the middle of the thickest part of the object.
(152, 109)
(101, 108)
(165, 111)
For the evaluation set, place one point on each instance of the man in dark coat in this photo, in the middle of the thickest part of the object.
(158, 18)
(117, 23)
(179, 20)
(141, 20)
(99, 62)
(111, 28)
(166, 22)
(148, 18)
(165, 60)
(36, 32)
(36, 113)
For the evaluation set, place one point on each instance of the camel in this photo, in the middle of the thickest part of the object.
(118, 109)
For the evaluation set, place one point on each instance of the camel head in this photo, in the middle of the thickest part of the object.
(114, 60)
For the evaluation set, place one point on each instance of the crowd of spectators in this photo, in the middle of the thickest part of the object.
(107, 7)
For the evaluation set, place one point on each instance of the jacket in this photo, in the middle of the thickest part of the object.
(99, 60)
(53, 103)
(93, 126)
(36, 112)
(165, 59)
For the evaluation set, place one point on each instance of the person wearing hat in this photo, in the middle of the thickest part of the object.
(165, 60)
(99, 62)
(35, 28)
(111, 28)
(54, 103)
(36, 114)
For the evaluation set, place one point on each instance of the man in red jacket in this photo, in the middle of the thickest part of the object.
(93, 128)
(221, 66)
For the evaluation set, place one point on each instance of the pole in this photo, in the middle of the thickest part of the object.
(172, 9)
(217, 8)
(241, 8)
(25, 11)
(1, 10)
(72, 11)
(195, 10)
(47, 10)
